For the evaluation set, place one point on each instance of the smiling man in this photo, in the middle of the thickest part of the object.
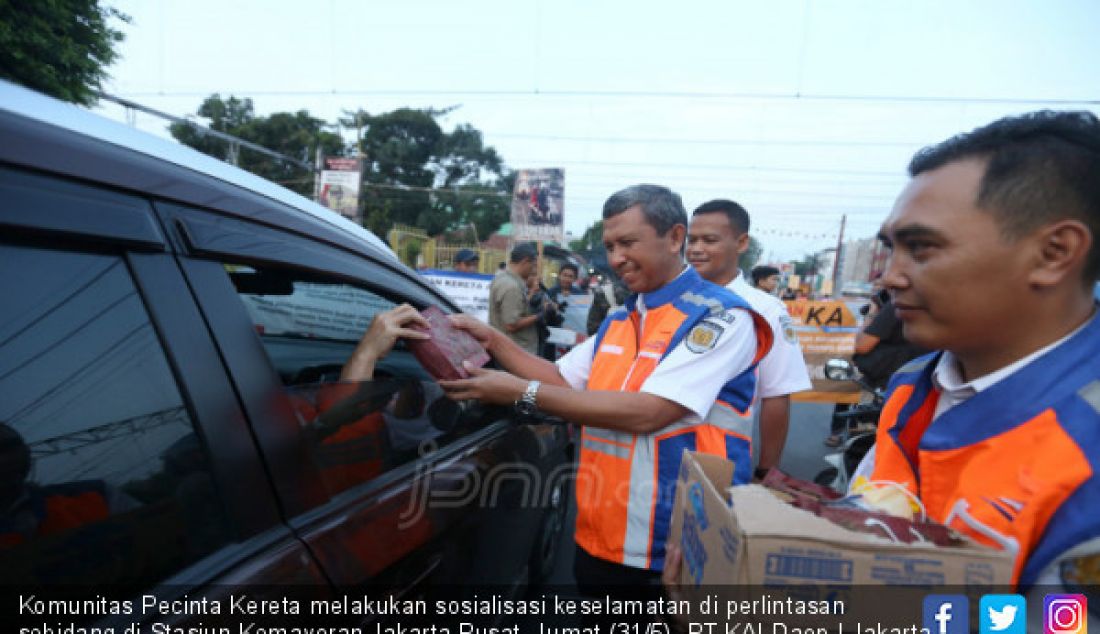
(641, 387)
(993, 262)
(718, 235)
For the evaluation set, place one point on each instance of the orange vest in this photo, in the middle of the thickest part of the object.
(58, 508)
(626, 482)
(1012, 466)
(356, 451)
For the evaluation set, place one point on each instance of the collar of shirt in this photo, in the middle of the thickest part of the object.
(948, 379)
(738, 284)
(640, 304)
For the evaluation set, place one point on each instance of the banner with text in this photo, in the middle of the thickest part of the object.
(470, 291)
(826, 329)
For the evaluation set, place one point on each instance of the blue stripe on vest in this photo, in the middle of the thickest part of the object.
(670, 452)
(1075, 521)
(1046, 382)
(739, 452)
(739, 391)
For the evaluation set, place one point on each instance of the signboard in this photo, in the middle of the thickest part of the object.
(826, 329)
(470, 291)
(339, 190)
(538, 205)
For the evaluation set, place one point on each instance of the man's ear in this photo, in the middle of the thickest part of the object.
(743, 243)
(1062, 252)
(677, 234)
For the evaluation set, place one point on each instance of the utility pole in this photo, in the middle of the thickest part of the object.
(838, 261)
(318, 165)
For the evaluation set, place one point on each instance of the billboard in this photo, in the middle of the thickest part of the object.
(339, 189)
(538, 205)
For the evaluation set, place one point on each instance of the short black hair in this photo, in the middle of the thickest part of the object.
(738, 217)
(1040, 167)
(569, 265)
(763, 272)
(524, 251)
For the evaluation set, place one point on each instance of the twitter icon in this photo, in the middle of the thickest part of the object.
(1003, 614)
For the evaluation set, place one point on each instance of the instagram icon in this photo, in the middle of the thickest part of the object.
(1065, 614)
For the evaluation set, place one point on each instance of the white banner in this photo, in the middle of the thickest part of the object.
(470, 291)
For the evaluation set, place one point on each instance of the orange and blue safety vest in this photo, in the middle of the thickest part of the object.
(1013, 466)
(626, 482)
(56, 508)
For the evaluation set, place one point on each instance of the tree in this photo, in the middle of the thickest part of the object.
(590, 245)
(59, 47)
(417, 174)
(751, 255)
(808, 265)
(296, 135)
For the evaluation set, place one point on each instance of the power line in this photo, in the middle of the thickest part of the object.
(567, 162)
(585, 139)
(630, 94)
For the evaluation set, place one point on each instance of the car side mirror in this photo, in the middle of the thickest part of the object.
(839, 370)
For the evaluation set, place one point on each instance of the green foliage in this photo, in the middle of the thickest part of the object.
(808, 265)
(590, 245)
(294, 134)
(59, 47)
(751, 255)
(417, 174)
(414, 173)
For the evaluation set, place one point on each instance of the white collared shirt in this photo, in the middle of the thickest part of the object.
(783, 371)
(954, 389)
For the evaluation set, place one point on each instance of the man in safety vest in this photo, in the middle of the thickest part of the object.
(993, 261)
(642, 387)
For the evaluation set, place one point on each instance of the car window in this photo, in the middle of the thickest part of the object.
(103, 478)
(355, 430)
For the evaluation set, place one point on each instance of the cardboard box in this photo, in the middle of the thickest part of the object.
(746, 535)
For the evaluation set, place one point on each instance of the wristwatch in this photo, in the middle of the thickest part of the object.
(526, 404)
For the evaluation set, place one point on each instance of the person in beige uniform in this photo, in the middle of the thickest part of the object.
(508, 311)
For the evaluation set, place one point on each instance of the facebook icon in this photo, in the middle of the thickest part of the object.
(947, 614)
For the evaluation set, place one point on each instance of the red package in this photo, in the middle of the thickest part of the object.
(443, 354)
(797, 489)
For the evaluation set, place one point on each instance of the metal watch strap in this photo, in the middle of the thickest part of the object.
(526, 403)
(531, 393)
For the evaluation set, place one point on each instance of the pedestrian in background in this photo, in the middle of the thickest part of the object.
(508, 299)
(718, 235)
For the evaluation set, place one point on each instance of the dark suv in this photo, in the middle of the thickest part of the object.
(169, 326)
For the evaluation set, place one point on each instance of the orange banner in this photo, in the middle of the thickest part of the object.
(826, 329)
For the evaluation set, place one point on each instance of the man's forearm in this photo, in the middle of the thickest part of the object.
(774, 422)
(635, 412)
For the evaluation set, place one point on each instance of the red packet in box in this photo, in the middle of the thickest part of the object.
(443, 354)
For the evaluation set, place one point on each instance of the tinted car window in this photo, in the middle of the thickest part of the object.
(355, 430)
(102, 476)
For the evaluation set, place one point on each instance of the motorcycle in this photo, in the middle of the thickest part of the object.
(857, 425)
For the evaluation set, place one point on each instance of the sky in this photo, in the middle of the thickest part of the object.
(804, 111)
